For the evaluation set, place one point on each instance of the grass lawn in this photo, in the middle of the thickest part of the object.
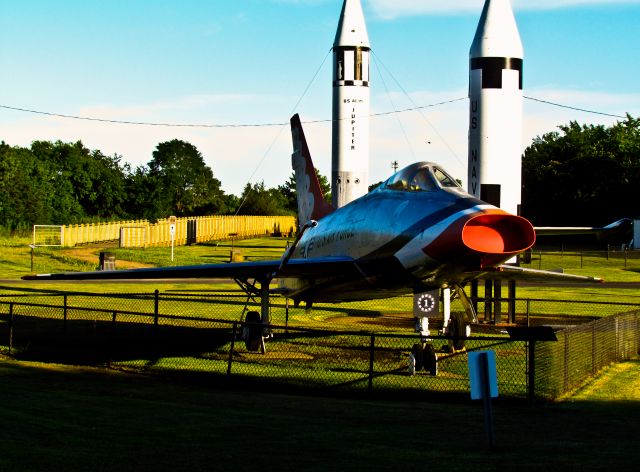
(68, 418)
(619, 382)
(65, 418)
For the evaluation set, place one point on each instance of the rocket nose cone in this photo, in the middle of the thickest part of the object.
(497, 33)
(352, 29)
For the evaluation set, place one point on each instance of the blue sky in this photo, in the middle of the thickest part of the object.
(250, 61)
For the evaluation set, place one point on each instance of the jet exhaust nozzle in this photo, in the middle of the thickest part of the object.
(498, 233)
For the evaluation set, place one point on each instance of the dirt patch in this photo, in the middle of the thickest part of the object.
(92, 256)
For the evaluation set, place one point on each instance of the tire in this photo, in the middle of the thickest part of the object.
(457, 330)
(253, 340)
(416, 350)
(430, 359)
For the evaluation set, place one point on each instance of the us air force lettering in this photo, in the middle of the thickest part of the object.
(350, 146)
(495, 108)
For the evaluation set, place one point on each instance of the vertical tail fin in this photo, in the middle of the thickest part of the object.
(311, 205)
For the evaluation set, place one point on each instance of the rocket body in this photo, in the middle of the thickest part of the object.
(495, 108)
(351, 107)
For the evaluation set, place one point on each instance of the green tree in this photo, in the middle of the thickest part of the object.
(258, 200)
(85, 184)
(288, 191)
(583, 175)
(25, 189)
(180, 183)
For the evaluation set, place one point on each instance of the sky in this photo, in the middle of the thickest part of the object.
(224, 63)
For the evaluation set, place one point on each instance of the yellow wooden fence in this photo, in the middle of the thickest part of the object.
(141, 233)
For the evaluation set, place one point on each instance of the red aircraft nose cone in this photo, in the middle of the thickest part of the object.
(498, 233)
(484, 240)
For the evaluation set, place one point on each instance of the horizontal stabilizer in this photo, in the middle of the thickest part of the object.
(509, 272)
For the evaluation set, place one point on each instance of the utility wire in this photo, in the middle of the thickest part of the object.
(282, 127)
(260, 125)
(204, 125)
(572, 108)
(444, 141)
(404, 133)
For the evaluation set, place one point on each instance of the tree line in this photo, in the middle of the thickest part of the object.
(583, 175)
(67, 183)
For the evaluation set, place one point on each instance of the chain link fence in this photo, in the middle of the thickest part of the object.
(345, 348)
(583, 350)
(549, 260)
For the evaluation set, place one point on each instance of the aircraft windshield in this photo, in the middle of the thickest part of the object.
(445, 179)
(420, 177)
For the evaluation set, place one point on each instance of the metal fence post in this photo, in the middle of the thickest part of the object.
(594, 357)
(156, 305)
(233, 342)
(531, 391)
(111, 340)
(540, 259)
(64, 313)
(10, 327)
(372, 347)
(566, 360)
(637, 333)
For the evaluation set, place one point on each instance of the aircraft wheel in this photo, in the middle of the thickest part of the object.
(457, 330)
(253, 339)
(416, 350)
(430, 359)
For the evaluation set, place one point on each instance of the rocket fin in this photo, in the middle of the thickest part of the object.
(311, 205)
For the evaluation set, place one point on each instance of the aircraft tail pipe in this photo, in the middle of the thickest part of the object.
(495, 235)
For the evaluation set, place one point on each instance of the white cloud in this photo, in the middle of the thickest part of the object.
(390, 9)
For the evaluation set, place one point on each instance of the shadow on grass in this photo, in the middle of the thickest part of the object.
(69, 418)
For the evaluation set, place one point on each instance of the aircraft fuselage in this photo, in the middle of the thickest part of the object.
(410, 231)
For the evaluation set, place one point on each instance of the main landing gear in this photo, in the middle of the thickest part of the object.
(423, 356)
(456, 326)
(254, 333)
(255, 329)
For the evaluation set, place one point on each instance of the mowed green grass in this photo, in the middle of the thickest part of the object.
(617, 383)
(16, 255)
(15, 262)
(61, 417)
(66, 418)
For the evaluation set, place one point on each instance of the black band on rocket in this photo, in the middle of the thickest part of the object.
(492, 68)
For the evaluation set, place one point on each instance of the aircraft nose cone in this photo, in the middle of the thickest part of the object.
(498, 234)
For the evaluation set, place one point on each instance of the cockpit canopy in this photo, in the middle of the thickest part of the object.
(420, 177)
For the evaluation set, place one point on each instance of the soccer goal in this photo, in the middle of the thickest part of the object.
(48, 235)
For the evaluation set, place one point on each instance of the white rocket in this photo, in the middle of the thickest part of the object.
(495, 101)
(351, 105)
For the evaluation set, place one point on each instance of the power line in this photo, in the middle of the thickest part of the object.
(205, 125)
(572, 108)
(260, 125)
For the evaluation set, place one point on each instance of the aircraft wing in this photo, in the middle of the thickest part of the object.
(620, 226)
(509, 272)
(310, 268)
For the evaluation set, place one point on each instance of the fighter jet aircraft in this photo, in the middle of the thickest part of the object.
(417, 231)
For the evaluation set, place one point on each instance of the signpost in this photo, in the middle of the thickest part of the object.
(483, 381)
(172, 232)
